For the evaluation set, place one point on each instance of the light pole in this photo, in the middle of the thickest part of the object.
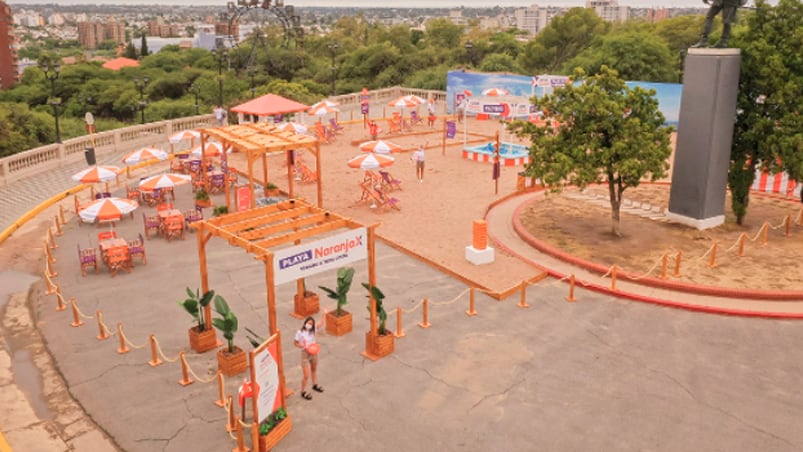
(220, 53)
(469, 46)
(251, 73)
(140, 84)
(51, 70)
(333, 46)
(196, 90)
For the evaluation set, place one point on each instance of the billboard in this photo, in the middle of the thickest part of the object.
(307, 259)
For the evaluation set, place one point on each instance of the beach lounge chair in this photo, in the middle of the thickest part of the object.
(304, 173)
(394, 126)
(387, 200)
(415, 119)
(389, 181)
(335, 126)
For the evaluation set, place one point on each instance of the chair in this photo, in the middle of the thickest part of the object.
(102, 195)
(165, 191)
(117, 259)
(106, 235)
(174, 227)
(320, 132)
(195, 166)
(88, 258)
(193, 215)
(387, 201)
(132, 193)
(164, 206)
(415, 119)
(176, 165)
(330, 134)
(390, 181)
(394, 126)
(335, 126)
(304, 173)
(217, 183)
(136, 248)
(151, 224)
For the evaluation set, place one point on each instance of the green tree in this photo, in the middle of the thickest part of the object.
(499, 62)
(609, 134)
(768, 133)
(635, 55)
(143, 47)
(130, 51)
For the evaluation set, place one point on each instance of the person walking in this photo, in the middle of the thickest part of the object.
(418, 158)
(305, 340)
(220, 114)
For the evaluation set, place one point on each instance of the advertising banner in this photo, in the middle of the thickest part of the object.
(364, 108)
(451, 129)
(243, 195)
(300, 261)
(266, 371)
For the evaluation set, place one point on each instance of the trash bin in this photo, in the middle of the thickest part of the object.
(89, 155)
(521, 181)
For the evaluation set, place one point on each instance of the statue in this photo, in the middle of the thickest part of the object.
(728, 9)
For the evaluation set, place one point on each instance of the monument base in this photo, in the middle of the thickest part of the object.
(479, 257)
(704, 223)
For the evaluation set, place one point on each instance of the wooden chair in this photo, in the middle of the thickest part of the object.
(304, 174)
(415, 119)
(389, 181)
(176, 165)
(136, 248)
(335, 126)
(88, 258)
(387, 201)
(174, 227)
(193, 215)
(117, 259)
(394, 126)
(102, 195)
(132, 193)
(151, 224)
(164, 206)
(168, 191)
(106, 235)
(320, 132)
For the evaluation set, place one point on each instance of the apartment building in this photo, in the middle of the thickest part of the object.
(91, 34)
(534, 18)
(609, 10)
(8, 49)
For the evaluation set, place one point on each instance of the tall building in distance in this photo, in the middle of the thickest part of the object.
(91, 34)
(8, 48)
(534, 18)
(609, 10)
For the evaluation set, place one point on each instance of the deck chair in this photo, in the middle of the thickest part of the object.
(370, 194)
(320, 132)
(335, 126)
(193, 215)
(151, 224)
(136, 248)
(174, 227)
(304, 173)
(117, 259)
(132, 193)
(387, 201)
(330, 134)
(88, 258)
(415, 119)
(394, 126)
(389, 181)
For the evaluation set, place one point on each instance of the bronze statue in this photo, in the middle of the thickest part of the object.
(728, 9)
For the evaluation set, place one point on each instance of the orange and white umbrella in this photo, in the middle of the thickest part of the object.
(210, 150)
(322, 110)
(495, 92)
(144, 154)
(108, 209)
(163, 181)
(380, 147)
(370, 161)
(184, 135)
(323, 103)
(403, 102)
(415, 99)
(294, 127)
(96, 173)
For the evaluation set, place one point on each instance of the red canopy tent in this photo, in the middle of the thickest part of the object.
(268, 105)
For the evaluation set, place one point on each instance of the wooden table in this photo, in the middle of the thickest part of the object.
(107, 244)
(165, 214)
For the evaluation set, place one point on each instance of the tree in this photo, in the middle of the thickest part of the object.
(609, 134)
(143, 47)
(130, 51)
(635, 55)
(768, 133)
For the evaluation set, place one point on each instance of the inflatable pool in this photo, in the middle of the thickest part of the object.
(510, 154)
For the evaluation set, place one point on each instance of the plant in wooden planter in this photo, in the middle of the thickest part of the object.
(338, 322)
(231, 360)
(381, 344)
(271, 190)
(202, 198)
(201, 338)
(305, 305)
(275, 427)
(220, 210)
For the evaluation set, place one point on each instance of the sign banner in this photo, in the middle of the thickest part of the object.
(267, 378)
(451, 129)
(243, 196)
(307, 259)
(364, 108)
(458, 99)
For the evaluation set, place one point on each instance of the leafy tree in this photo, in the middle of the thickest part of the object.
(768, 132)
(609, 134)
(130, 51)
(22, 129)
(635, 55)
(441, 32)
(143, 47)
(499, 62)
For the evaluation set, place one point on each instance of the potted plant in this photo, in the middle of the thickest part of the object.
(382, 344)
(231, 360)
(338, 322)
(202, 198)
(271, 190)
(220, 210)
(201, 338)
(305, 302)
(275, 427)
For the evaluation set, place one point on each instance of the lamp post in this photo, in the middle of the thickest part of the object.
(469, 47)
(220, 53)
(141, 84)
(51, 70)
(251, 73)
(333, 46)
(196, 90)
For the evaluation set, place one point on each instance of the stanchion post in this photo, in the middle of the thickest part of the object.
(764, 229)
(713, 261)
(471, 311)
(399, 330)
(678, 258)
(425, 322)
(155, 361)
(53, 244)
(76, 319)
(60, 305)
(221, 401)
(230, 418)
(742, 238)
(51, 288)
(61, 214)
(664, 260)
(788, 224)
(185, 374)
(123, 347)
(614, 271)
(58, 226)
(102, 334)
(523, 297)
(571, 289)
(50, 270)
(48, 253)
(240, 442)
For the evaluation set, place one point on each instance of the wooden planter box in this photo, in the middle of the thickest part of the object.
(202, 341)
(380, 345)
(231, 364)
(269, 441)
(203, 203)
(272, 192)
(338, 326)
(305, 306)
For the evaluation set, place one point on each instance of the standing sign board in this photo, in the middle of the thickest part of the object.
(451, 129)
(307, 259)
(266, 373)
(243, 198)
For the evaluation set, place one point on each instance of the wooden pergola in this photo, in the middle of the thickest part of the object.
(258, 140)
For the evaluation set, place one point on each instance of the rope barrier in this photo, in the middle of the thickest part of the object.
(103, 332)
(124, 338)
(229, 414)
(185, 377)
(159, 348)
(425, 321)
(61, 305)
(155, 361)
(58, 226)
(184, 360)
(61, 214)
(713, 262)
(49, 268)
(51, 288)
(399, 330)
(76, 319)
(75, 304)
(53, 244)
(644, 275)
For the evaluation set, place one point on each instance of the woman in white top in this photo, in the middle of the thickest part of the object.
(305, 337)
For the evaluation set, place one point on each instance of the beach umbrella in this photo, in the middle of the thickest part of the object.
(108, 209)
(184, 135)
(144, 154)
(380, 147)
(323, 103)
(210, 150)
(322, 110)
(96, 173)
(403, 102)
(414, 98)
(370, 161)
(163, 181)
(495, 92)
(294, 127)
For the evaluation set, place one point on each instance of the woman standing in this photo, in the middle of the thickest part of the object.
(305, 340)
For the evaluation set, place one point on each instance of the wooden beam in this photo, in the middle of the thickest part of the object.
(268, 219)
(302, 234)
(280, 227)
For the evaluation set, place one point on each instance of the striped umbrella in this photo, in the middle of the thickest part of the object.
(495, 92)
(96, 173)
(323, 103)
(403, 102)
(144, 154)
(108, 209)
(414, 98)
(380, 147)
(322, 111)
(211, 150)
(184, 135)
(294, 127)
(163, 181)
(370, 161)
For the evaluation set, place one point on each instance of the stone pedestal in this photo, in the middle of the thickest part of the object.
(479, 257)
(705, 133)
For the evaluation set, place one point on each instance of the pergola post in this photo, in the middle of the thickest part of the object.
(251, 181)
(291, 164)
(318, 172)
(204, 273)
(372, 276)
(272, 328)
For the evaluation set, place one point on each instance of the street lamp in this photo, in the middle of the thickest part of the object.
(333, 46)
(51, 70)
(219, 54)
(196, 90)
(251, 73)
(469, 46)
(141, 84)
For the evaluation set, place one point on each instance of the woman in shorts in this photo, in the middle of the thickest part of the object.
(305, 338)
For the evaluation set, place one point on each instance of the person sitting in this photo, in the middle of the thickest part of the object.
(373, 130)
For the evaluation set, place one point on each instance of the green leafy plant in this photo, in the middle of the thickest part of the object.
(380, 308)
(202, 195)
(271, 186)
(255, 339)
(272, 421)
(344, 277)
(227, 322)
(220, 210)
(194, 305)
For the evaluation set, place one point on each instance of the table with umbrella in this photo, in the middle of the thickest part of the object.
(108, 210)
(154, 187)
(367, 162)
